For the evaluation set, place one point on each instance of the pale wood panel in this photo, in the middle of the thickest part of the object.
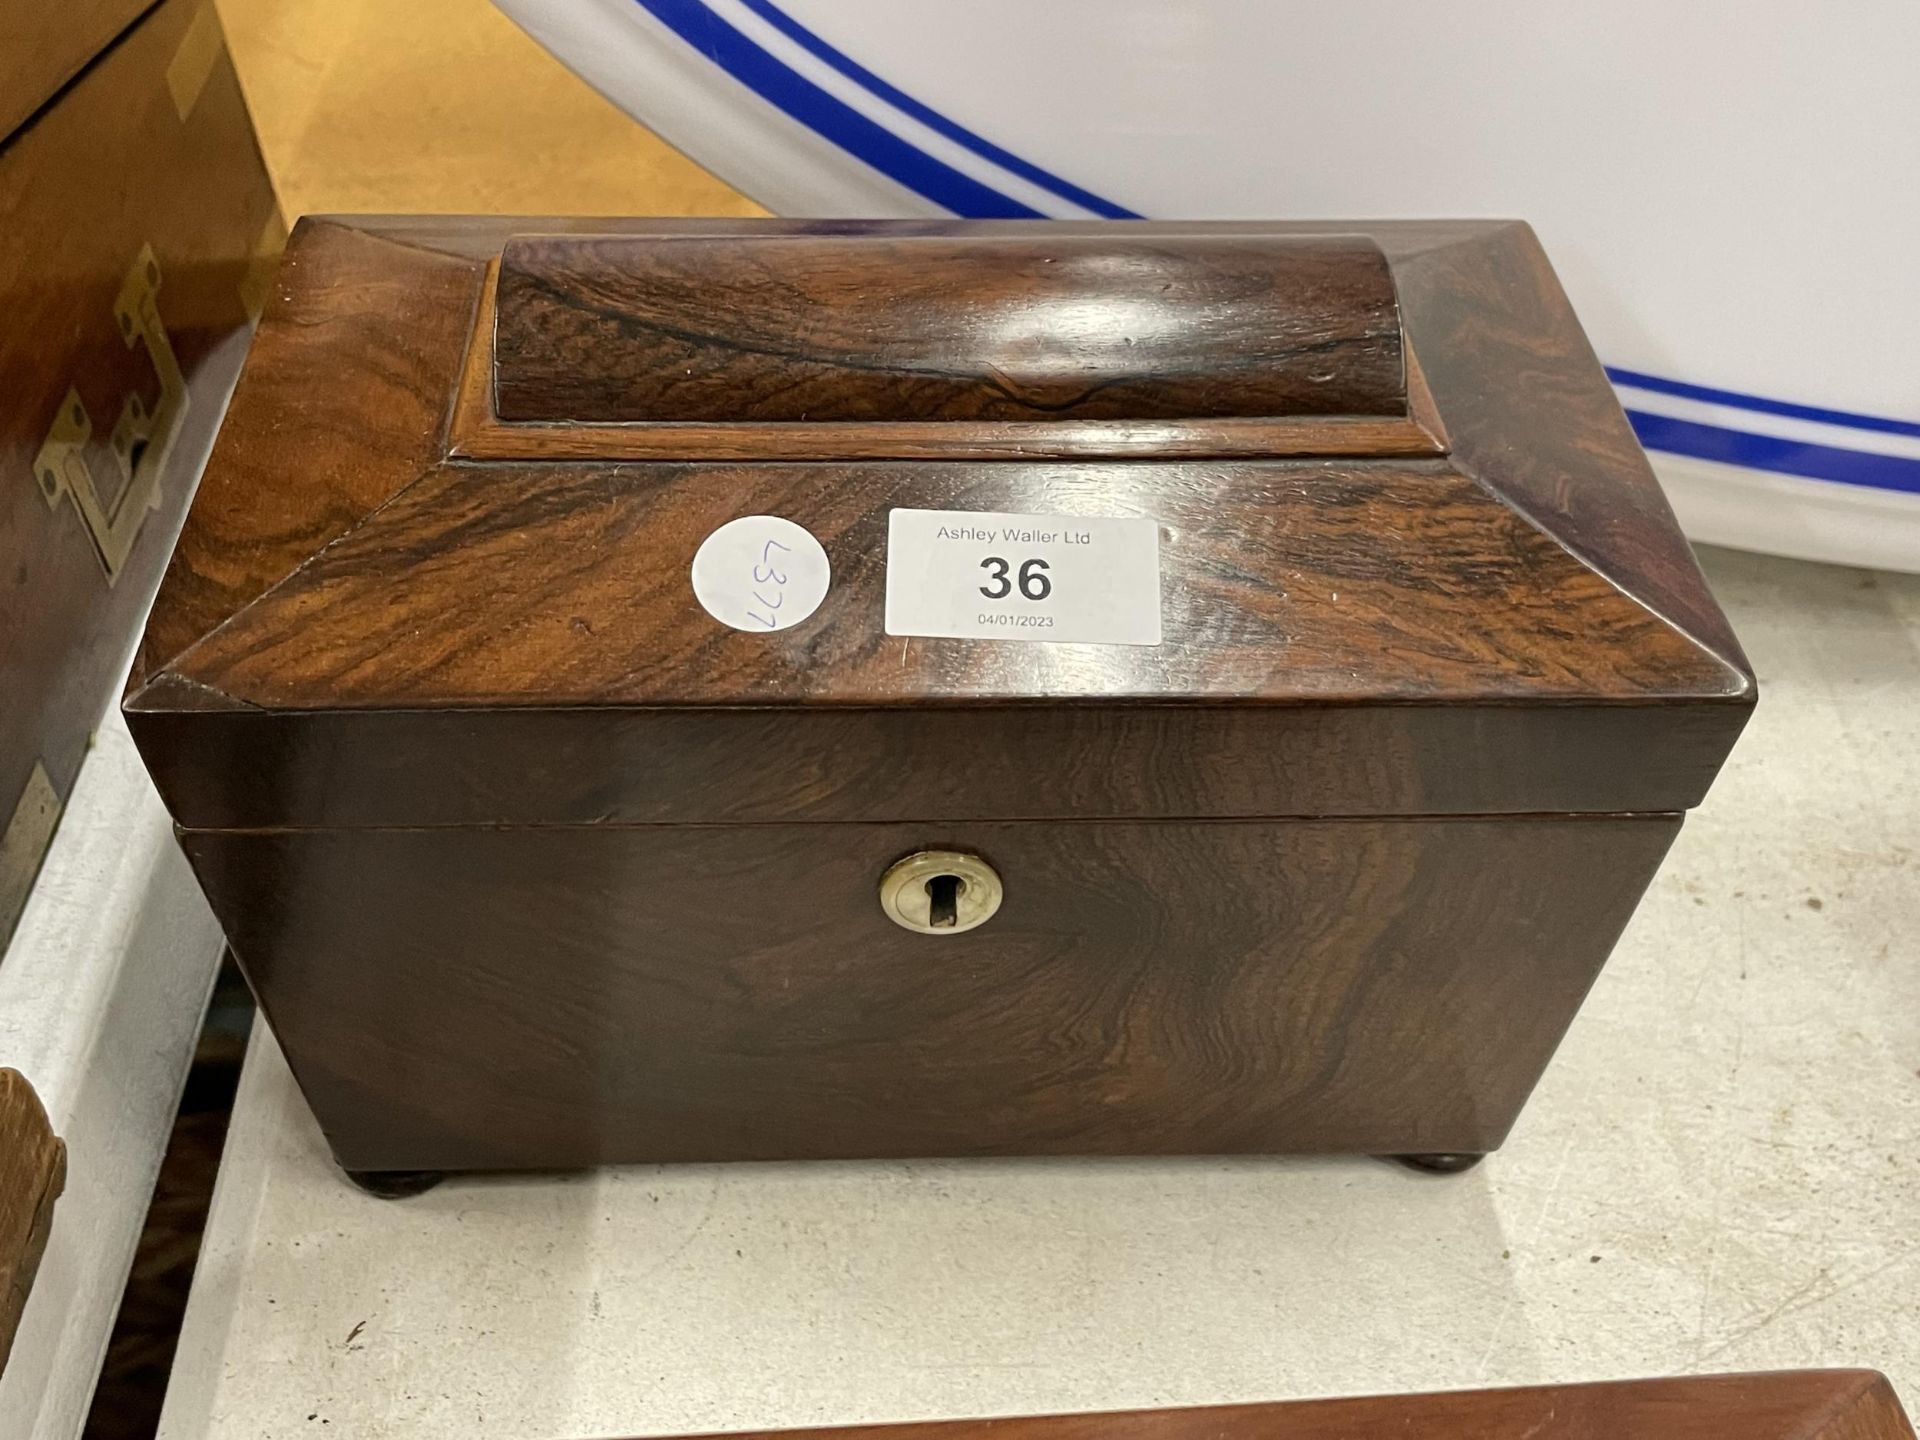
(43, 46)
(444, 105)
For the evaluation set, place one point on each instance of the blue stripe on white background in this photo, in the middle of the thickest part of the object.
(908, 142)
(1782, 457)
(814, 83)
(781, 80)
(877, 86)
(1734, 400)
(1760, 434)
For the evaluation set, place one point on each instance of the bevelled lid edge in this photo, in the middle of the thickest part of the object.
(1551, 441)
(348, 380)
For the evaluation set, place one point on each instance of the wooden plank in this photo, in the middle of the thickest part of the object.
(1783, 1405)
(33, 1171)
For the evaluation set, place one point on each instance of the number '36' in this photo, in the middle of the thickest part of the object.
(1034, 583)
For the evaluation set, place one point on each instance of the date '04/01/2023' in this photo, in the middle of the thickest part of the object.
(1006, 620)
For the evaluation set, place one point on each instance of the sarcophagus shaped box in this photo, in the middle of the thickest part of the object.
(693, 691)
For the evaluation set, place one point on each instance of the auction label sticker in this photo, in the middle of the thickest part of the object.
(760, 573)
(980, 575)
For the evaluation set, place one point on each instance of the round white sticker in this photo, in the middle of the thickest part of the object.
(760, 572)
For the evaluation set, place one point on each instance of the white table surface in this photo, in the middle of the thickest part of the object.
(1721, 1171)
(101, 995)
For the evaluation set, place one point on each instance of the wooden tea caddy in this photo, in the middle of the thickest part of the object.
(534, 862)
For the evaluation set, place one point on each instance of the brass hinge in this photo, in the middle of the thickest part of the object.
(142, 437)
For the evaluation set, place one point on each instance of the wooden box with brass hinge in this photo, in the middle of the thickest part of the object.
(137, 233)
(642, 691)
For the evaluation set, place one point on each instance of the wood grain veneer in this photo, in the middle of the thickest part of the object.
(468, 998)
(932, 326)
(33, 1171)
(532, 863)
(1783, 1405)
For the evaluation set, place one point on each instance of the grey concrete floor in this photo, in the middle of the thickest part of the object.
(1721, 1171)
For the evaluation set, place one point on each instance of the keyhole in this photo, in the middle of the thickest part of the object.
(940, 892)
(944, 893)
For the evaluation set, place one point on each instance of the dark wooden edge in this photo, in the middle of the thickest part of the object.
(33, 1172)
(1778, 1405)
(478, 433)
(622, 765)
